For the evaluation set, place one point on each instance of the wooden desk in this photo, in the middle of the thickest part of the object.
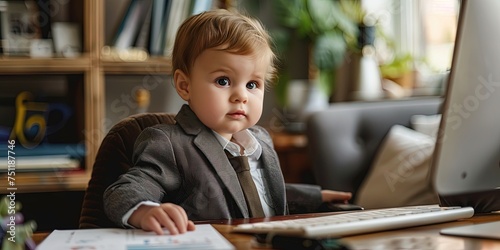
(424, 237)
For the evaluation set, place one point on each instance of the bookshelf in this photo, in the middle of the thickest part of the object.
(90, 72)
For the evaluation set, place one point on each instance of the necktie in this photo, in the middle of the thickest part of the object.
(242, 168)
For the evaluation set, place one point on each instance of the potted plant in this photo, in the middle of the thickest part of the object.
(399, 70)
(326, 27)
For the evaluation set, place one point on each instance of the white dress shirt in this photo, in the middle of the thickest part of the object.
(253, 150)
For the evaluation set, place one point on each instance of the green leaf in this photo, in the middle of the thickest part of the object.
(348, 27)
(327, 81)
(323, 15)
(289, 12)
(325, 26)
(353, 9)
(329, 50)
(400, 65)
(305, 26)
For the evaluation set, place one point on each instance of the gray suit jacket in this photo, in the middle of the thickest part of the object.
(186, 165)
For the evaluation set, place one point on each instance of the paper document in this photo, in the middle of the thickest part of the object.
(204, 237)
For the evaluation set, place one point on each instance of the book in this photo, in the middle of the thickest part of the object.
(131, 23)
(46, 156)
(143, 36)
(177, 14)
(39, 163)
(73, 150)
(3, 7)
(198, 6)
(159, 19)
(114, 18)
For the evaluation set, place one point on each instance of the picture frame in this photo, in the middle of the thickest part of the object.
(19, 20)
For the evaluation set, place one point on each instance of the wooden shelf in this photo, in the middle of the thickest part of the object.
(154, 65)
(92, 67)
(26, 65)
(83, 80)
(46, 182)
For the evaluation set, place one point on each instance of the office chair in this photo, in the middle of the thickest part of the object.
(114, 158)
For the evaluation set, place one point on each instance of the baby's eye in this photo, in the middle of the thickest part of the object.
(252, 85)
(222, 81)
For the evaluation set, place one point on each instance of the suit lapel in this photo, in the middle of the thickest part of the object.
(218, 159)
(274, 178)
(210, 147)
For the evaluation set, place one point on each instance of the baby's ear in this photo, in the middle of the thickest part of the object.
(181, 82)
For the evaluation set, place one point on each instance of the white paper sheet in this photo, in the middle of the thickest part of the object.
(204, 237)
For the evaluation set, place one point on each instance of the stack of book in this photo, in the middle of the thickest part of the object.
(152, 24)
(45, 157)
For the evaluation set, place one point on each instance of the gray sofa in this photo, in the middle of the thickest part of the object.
(343, 139)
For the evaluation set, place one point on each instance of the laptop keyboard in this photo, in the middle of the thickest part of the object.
(364, 221)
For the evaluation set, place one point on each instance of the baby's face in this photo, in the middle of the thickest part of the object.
(226, 91)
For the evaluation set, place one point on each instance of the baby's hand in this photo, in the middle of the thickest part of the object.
(167, 215)
(331, 196)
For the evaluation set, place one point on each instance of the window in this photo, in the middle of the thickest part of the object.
(440, 18)
(424, 29)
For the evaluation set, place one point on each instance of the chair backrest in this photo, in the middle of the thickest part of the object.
(343, 139)
(113, 159)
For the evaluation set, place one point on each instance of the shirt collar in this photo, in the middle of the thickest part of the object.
(252, 147)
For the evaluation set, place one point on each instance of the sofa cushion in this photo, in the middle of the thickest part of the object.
(426, 124)
(400, 174)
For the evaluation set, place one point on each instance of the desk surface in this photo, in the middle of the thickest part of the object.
(423, 237)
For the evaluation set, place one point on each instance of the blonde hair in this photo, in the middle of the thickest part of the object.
(228, 31)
